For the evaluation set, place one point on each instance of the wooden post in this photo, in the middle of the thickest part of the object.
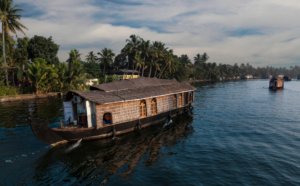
(61, 124)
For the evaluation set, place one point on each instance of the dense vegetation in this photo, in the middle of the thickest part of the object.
(34, 62)
(156, 60)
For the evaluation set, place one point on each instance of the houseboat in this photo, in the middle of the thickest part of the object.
(276, 83)
(111, 109)
(287, 78)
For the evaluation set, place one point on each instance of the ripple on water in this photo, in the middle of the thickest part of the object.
(240, 133)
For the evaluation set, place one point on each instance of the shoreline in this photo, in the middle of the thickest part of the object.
(23, 97)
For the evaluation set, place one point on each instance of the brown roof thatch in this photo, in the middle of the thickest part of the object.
(133, 84)
(134, 89)
(276, 78)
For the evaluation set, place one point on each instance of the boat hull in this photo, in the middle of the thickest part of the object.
(275, 88)
(69, 135)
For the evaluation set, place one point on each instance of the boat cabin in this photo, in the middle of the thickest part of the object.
(276, 83)
(287, 78)
(126, 101)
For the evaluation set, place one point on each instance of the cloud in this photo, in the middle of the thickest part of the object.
(260, 32)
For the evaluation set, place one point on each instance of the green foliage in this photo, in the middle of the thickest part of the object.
(91, 57)
(106, 57)
(42, 75)
(75, 77)
(108, 79)
(71, 76)
(74, 55)
(41, 47)
(21, 51)
(7, 90)
(92, 69)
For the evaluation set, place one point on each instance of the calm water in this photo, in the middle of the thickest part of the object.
(240, 133)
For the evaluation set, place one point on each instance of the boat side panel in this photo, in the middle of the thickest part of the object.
(130, 111)
(108, 130)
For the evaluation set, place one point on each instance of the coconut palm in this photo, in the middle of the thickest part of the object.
(62, 72)
(157, 51)
(138, 62)
(186, 62)
(91, 57)
(204, 57)
(75, 76)
(40, 74)
(145, 50)
(73, 56)
(169, 59)
(197, 59)
(106, 58)
(131, 48)
(156, 65)
(9, 18)
(211, 67)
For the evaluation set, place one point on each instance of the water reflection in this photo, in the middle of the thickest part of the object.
(103, 158)
(16, 114)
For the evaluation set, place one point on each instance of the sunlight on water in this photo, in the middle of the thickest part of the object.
(74, 146)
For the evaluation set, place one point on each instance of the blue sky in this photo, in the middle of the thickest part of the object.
(259, 32)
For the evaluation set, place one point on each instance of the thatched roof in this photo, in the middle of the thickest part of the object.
(133, 84)
(133, 89)
(277, 79)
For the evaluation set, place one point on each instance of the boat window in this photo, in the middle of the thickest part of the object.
(180, 100)
(153, 107)
(107, 119)
(174, 101)
(143, 112)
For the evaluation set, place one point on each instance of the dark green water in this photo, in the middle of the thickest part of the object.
(239, 134)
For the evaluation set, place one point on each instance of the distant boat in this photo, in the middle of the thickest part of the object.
(276, 83)
(287, 78)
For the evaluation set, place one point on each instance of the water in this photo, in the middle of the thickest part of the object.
(240, 133)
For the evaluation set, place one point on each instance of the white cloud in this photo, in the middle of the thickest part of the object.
(189, 27)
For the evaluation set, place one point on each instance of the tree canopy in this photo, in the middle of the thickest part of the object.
(41, 47)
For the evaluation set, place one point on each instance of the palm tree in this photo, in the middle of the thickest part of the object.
(137, 61)
(77, 54)
(131, 48)
(204, 57)
(73, 55)
(157, 66)
(12, 58)
(169, 59)
(75, 76)
(145, 50)
(106, 57)
(186, 62)
(197, 59)
(9, 18)
(40, 74)
(61, 70)
(211, 68)
(156, 54)
(91, 57)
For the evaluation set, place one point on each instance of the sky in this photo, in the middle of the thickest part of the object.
(258, 32)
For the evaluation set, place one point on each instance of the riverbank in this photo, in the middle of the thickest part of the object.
(22, 97)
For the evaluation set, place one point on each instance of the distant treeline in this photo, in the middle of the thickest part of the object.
(150, 59)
